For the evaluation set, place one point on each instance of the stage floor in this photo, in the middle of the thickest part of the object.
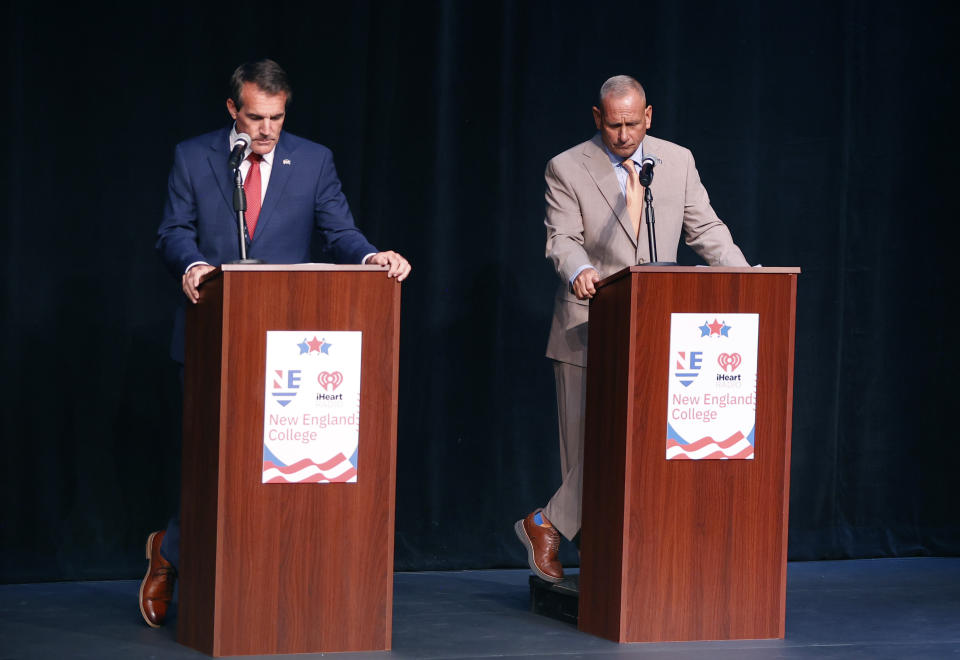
(876, 609)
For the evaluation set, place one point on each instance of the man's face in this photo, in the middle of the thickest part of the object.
(260, 116)
(623, 122)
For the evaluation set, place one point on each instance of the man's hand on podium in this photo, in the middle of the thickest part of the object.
(399, 267)
(584, 286)
(191, 280)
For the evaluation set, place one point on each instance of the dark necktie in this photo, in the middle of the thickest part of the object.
(252, 187)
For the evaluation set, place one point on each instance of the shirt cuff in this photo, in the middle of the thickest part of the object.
(363, 262)
(195, 263)
(577, 272)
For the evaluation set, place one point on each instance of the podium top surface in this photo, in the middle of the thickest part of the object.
(698, 270)
(298, 267)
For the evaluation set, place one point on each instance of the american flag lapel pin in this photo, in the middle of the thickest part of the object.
(286, 161)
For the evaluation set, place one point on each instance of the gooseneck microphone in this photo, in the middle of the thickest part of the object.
(236, 155)
(240, 196)
(646, 171)
(646, 178)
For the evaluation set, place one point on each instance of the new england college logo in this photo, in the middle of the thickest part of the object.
(286, 382)
(688, 366)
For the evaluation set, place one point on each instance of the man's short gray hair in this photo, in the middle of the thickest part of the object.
(620, 86)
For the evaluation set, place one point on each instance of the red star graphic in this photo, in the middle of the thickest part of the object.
(315, 344)
(715, 327)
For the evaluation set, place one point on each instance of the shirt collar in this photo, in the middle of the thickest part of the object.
(267, 157)
(617, 160)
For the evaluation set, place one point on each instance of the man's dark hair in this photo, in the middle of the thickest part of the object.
(265, 74)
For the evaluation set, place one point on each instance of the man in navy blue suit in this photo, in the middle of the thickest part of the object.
(292, 190)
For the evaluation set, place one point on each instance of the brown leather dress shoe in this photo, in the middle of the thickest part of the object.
(156, 590)
(542, 545)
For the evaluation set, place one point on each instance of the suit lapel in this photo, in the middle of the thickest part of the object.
(280, 173)
(217, 158)
(597, 163)
(651, 147)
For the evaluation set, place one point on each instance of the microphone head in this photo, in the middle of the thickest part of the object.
(646, 170)
(241, 137)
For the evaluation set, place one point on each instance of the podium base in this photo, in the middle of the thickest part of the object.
(558, 601)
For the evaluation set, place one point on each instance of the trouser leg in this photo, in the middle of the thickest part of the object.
(563, 509)
(170, 546)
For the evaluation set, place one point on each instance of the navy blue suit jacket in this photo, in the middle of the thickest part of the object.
(303, 196)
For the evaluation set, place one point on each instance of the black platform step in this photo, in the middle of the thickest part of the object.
(558, 601)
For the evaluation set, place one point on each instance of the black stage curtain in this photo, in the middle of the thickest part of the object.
(822, 130)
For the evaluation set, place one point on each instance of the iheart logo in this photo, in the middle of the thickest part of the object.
(326, 379)
(729, 361)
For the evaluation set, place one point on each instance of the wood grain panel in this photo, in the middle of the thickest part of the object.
(704, 550)
(606, 478)
(200, 468)
(305, 567)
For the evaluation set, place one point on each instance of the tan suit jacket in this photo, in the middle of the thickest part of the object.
(587, 223)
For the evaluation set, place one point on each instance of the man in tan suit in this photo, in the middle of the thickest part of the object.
(595, 227)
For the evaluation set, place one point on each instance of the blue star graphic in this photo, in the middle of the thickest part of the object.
(325, 347)
(304, 347)
(704, 330)
(725, 330)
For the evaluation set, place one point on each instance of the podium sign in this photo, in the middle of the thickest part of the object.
(311, 407)
(712, 395)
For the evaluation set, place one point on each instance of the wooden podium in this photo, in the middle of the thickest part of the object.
(683, 550)
(284, 568)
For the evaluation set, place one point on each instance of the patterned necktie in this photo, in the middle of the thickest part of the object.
(634, 195)
(251, 186)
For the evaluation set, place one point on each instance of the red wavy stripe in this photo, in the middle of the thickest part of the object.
(714, 455)
(703, 442)
(346, 476)
(306, 462)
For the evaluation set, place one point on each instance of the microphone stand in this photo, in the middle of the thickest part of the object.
(651, 231)
(240, 207)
